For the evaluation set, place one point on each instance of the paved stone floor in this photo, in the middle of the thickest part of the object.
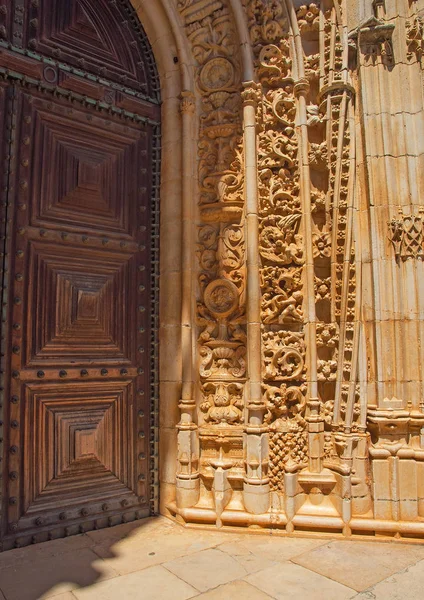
(159, 560)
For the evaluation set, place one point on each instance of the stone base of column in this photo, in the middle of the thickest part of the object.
(187, 492)
(256, 498)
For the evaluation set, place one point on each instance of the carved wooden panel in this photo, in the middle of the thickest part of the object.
(77, 365)
(82, 176)
(77, 438)
(99, 37)
(86, 308)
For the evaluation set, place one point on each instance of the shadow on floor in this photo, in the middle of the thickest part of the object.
(56, 567)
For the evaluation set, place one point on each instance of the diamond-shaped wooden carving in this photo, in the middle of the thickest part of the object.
(81, 27)
(79, 443)
(84, 175)
(85, 307)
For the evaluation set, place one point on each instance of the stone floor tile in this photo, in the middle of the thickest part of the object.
(155, 583)
(207, 569)
(290, 581)
(406, 585)
(138, 551)
(235, 548)
(271, 547)
(236, 589)
(20, 556)
(253, 562)
(50, 576)
(360, 564)
(129, 530)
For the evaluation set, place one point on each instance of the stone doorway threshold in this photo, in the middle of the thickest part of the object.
(157, 559)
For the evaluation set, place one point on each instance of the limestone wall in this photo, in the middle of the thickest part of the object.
(294, 240)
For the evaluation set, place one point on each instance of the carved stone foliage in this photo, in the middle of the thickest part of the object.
(284, 355)
(220, 305)
(282, 295)
(222, 361)
(282, 245)
(406, 233)
(285, 407)
(415, 37)
(279, 242)
(223, 403)
(308, 18)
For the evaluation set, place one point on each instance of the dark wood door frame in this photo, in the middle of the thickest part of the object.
(79, 211)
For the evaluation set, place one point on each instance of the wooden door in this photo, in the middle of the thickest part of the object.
(80, 152)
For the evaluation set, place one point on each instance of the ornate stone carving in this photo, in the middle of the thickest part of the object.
(220, 250)
(223, 403)
(316, 349)
(279, 242)
(288, 443)
(267, 21)
(322, 244)
(407, 236)
(285, 406)
(323, 288)
(224, 361)
(308, 18)
(284, 355)
(374, 39)
(282, 295)
(415, 37)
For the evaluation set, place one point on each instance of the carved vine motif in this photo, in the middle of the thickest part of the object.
(415, 37)
(407, 236)
(282, 295)
(279, 243)
(220, 251)
(284, 355)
